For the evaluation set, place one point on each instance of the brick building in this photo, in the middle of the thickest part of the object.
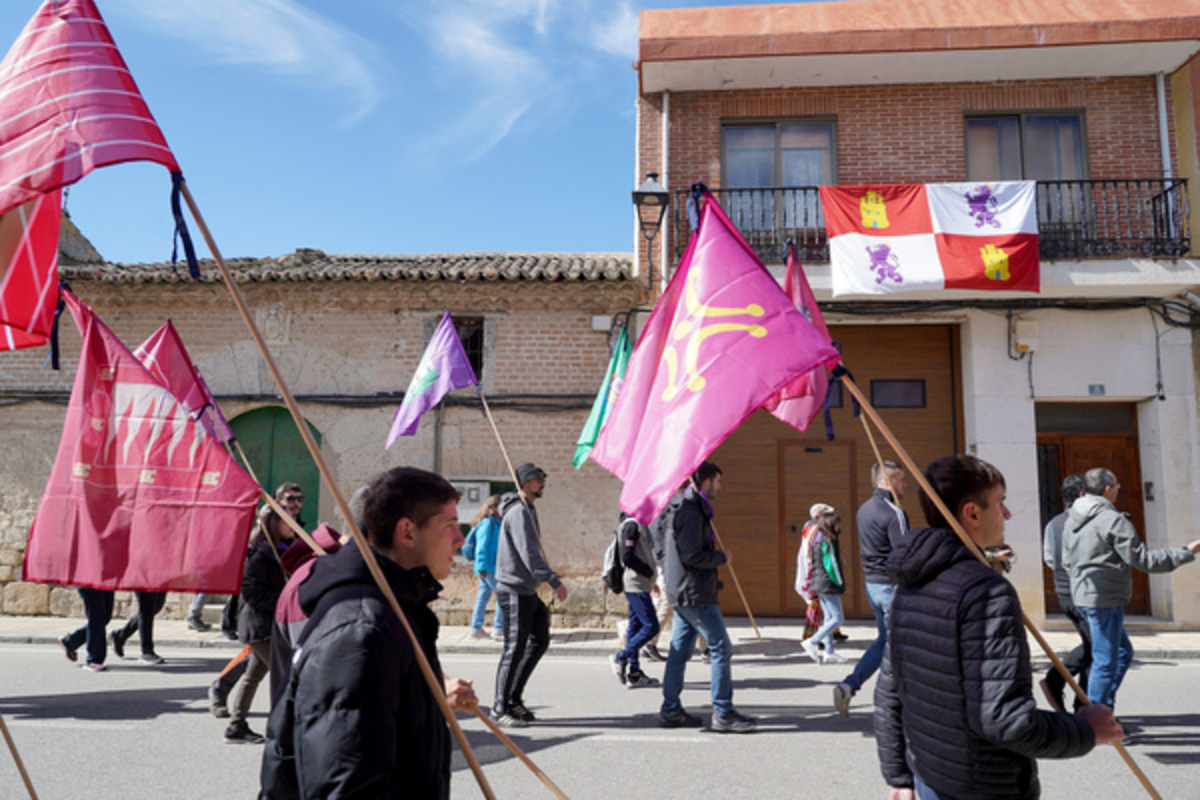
(1097, 100)
(346, 333)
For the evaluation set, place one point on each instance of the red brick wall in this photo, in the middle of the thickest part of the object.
(910, 133)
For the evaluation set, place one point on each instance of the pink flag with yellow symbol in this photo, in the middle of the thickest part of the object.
(722, 339)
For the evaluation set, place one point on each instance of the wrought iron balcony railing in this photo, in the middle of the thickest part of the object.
(1130, 218)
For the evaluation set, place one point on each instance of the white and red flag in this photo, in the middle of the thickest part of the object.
(68, 104)
(29, 259)
(164, 355)
(140, 496)
(800, 401)
(906, 237)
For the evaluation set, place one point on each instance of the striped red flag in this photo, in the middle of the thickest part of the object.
(68, 104)
(29, 282)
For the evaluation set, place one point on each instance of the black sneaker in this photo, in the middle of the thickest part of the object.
(118, 643)
(733, 722)
(619, 666)
(151, 658)
(519, 711)
(651, 653)
(678, 719)
(195, 624)
(216, 701)
(637, 680)
(838, 636)
(240, 733)
(506, 719)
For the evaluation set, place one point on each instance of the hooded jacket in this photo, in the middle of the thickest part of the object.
(357, 718)
(1099, 547)
(954, 702)
(262, 580)
(692, 554)
(520, 566)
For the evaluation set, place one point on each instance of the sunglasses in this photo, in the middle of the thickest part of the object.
(293, 498)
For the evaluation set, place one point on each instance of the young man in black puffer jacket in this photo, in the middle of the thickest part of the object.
(954, 710)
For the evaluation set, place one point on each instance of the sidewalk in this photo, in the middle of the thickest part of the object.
(781, 637)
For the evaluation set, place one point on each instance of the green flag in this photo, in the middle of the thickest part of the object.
(613, 377)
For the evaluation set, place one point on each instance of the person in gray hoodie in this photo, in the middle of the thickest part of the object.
(1100, 546)
(520, 567)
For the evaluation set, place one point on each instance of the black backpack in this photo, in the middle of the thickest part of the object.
(614, 568)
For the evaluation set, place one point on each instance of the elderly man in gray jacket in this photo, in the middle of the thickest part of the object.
(520, 567)
(1100, 546)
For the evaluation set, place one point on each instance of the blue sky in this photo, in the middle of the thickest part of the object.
(375, 126)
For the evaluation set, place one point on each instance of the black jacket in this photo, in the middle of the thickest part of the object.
(357, 714)
(262, 581)
(880, 530)
(692, 555)
(956, 692)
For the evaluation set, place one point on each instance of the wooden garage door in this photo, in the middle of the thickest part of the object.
(773, 473)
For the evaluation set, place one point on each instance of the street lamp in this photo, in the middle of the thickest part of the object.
(651, 200)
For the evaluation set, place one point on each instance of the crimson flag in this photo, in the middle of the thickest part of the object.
(29, 258)
(140, 496)
(801, 399)
(68, 104)
(168, 361)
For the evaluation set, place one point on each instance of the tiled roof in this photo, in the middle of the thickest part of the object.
(314, 265)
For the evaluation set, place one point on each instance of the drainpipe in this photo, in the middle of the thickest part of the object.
(666, 182)
(1164, 140)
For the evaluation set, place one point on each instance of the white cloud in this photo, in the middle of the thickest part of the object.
(618, 34)
(279, 35)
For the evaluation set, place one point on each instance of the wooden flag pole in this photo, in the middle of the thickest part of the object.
(278, 509)
(919, 475)
(12, 747)
(732, 573)
(436, 689)
(516, 751)
(879, 460)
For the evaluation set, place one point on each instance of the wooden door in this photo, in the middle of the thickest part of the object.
(1079, 452)
(277, 454)
(773, 473)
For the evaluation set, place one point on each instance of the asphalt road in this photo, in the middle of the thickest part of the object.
(145, 732)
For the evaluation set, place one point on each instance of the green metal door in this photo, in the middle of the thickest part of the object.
(277, 454)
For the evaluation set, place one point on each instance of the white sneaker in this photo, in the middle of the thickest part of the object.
(479, 634)
(833, 658)
(811, 650)
(841, 698)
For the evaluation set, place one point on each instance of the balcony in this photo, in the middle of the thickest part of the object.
(1134, 218)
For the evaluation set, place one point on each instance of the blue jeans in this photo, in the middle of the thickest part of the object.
(1112, 653)
(831, 606)
(643, 626)
(924, 792)
(690, 621)
(879, 595)
(487, 585)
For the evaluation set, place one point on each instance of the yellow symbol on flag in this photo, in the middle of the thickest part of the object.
(80, 470)
(147, 476)
(874, 210)
(692, 328)
(210, 479)
(995, 263)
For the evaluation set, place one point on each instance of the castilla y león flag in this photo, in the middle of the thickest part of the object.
(905, 237)
(722, 339)
(164, 355)
(140, 495)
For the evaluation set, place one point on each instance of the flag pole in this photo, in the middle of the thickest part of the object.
(879, 460)
(919, 475)
(732, 573)
(278, 509)
(12, 746)
(438, 691)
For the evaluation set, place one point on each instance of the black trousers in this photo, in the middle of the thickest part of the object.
(526, 639)
(1079, 661)
(142, 623)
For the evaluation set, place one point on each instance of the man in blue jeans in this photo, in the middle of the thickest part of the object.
(881, 526)
(692, 559)
(1100, 546)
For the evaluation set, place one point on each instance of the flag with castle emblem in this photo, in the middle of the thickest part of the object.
(720, 342)
(913, 237)
(140, 495)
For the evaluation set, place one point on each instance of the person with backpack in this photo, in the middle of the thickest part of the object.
(480, 549)
(828, 584)
(637, 557)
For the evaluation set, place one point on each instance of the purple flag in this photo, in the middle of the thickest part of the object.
(443, 368)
